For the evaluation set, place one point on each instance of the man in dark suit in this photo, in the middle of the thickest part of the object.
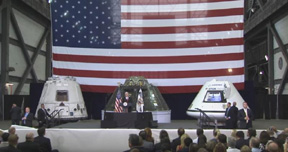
(135, 143)
(240, 139)
(127, 103)
(234, 116)
(42, 116)
(45, 144)
(15, 114)
(228, 116)
(27, 118)
(13, 140)
(29, 145)
(177, 140)
(245, 117)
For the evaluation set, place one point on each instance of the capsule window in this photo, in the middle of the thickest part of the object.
(214, 96)
(62, 95)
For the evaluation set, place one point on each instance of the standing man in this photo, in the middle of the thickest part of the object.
(234, 116)
(42, 116)
(27, 118)
(228, 116)
(126, 103)
(245, 117)
(15, 114)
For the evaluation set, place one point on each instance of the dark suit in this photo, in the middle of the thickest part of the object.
(28, 121)
(42, 117)
(45, 144)
(240, 142)
(129, 103)
(175, 143)
(241, 117)
(15, 115)
(29, 146)
(9, 149)
(228, 117)
(234, 116)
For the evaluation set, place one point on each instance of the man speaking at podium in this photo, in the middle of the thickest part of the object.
(127, 103)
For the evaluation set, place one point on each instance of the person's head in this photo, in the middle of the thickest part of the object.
(210, 145)
(239, 134)
(42, 106)
(13, 140)
(165, 147)
(163, 134)
(29, 136)
(285, 130)
(14, 105)
(12, 130)
(193, 147)
(27, 109)
(187, 141)
(126, 94)
(148, 134)
(180, 132)
(182, 139)
(228, 104)
(220, 147)
(199, 131)
(222, 138)
(234, 103)
(254, 142)
(245, 148)
(282, 138)
(216, 132)
(264, 137)
(272, 147)
(233, 133)
(231, 142)
(41, 131)
(142, 134)
(5, 136)
(134, 150)
(202, 150)
(134, 140)
(245, 105)
(251, 132)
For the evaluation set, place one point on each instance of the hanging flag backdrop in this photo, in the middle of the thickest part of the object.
(177, 45)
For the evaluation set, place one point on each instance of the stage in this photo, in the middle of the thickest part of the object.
(72, 137)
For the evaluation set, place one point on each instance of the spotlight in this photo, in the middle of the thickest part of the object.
(266, 57)
(230, 70)
(261, 72)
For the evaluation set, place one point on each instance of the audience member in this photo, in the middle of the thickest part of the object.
(146, 144)
(193, 147)
(182, 143)
(210, 145)
(187, 142)
(222, 139)
(233, 133)
(245, 148)
(149, 135)
(231, 145)
(216, 132)
(15, 112)
(135, 142)
(201, 138)
(272, 147)
(176, 141)
(251, 132)
(12, 130)
(12, 147)
(1, 133)
(164, 139)
(5, 137)
(264, 138)
(45, 143)
(29, 145)
(220, 147)
(202, 150)
(240, 140)
(27, 118)
(254, 144)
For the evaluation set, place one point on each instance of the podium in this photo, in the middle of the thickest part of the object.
(127, 120)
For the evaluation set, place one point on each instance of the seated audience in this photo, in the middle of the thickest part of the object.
(216, 132)
(264, 138)
(210, 145)
(251, 132)
(135, 142)
(12, 130)
(272, 147)
(202, 150)
(231, 145)
(240, 139)
(193, 147)
(201, 138)
(176, 141)
(220, 147)
(233, 133)
(164, 139)
(222, 139)
(12, 147)
(146, 144)
(245, 148)
(254, 144)
(149, 135)
(5, 142)
(182, 144)
(29, 145)
(45, 143)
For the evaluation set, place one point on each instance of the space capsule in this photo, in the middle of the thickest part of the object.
(212, 99)
(63, 99)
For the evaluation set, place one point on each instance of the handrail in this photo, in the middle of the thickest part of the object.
(205, 120)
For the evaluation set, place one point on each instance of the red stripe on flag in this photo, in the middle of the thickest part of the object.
(163, 90)
(182, 44)
(150, 74)
(149, 60)
(165, 2)
(182, 29)
(180, 15)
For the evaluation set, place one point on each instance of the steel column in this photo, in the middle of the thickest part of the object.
(270, 62)
(48, 56)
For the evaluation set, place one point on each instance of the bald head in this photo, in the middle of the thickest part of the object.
(30, 136)
(272, 147)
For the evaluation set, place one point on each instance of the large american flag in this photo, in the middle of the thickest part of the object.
(177, 45)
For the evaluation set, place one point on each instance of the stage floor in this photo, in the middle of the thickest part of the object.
(187, 124)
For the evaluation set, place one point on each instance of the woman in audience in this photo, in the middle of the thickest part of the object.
(164, 140)
(193, 147)
(210, 145)
(182, 143)
(245, 148)
(149, 135)
(264, 137)
(220, 147)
